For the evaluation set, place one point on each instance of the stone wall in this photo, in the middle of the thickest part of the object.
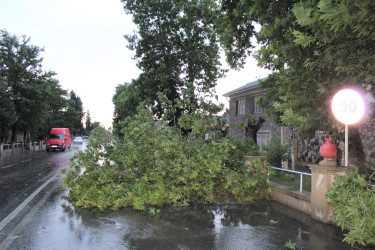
(367, 132)
(308, 149)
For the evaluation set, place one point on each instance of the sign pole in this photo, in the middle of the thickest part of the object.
(348, 107)
(346, 145)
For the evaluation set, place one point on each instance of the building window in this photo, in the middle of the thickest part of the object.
(256, 108)
(263, 138)
(240, 107)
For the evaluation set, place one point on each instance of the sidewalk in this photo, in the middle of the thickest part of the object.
(16, 151)
(21, 149)
(9, 156)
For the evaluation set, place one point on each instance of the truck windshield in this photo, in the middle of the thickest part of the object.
(57, 136)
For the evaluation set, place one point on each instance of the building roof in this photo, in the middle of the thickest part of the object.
(247, 86)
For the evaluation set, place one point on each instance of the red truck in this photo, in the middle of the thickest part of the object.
(59, 138)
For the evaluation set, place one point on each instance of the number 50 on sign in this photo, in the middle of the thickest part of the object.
(348, 106)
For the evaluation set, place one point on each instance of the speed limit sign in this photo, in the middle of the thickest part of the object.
(348, 106)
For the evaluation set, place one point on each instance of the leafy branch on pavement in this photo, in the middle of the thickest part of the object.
(157, 165)
(353, 199)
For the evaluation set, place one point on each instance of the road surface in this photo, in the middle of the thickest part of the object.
(34, 214)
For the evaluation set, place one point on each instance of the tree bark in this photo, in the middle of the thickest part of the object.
(14, 133)
(253, 127)
(357, 157)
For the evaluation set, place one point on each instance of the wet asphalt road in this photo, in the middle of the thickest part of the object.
(45, 224)
(21, 174)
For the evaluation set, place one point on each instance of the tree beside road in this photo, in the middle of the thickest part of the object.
(314, 49)
(176, 48)
(31, 99)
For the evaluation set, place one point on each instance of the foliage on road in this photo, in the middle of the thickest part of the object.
(353, 199)
(160, 165)
(290, 245)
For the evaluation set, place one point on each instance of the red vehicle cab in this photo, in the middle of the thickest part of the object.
(59, 138)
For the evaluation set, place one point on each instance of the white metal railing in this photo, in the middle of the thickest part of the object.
(294, 172)
(301, 175)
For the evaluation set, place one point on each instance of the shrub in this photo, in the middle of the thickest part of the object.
(353, 201)
(276, 152)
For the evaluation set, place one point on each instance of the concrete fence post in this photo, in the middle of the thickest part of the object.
(1, 149)
(322, 179)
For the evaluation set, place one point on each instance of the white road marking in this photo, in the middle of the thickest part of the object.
(11, 165)
(14, 234)
(16, 211)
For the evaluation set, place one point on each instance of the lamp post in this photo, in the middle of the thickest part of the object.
(348, 107)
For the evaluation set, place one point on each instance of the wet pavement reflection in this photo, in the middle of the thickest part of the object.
(21, 174)
(262, 225)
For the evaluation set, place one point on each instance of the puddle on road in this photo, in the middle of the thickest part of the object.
(262, 225)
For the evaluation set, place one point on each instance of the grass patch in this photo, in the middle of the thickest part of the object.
(292, 181)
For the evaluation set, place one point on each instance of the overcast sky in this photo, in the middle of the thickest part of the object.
(84, 45)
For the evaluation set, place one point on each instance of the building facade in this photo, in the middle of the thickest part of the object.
(243, 108)
(244, 113)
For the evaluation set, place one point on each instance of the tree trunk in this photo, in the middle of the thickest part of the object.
(3, 135)
(14, 133)
(253, 127)
(357, 157)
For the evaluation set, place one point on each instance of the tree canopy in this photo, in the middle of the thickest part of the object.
(75, 113)
(126, 100)
(175, 45)
(32, 100)
(313, 47)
